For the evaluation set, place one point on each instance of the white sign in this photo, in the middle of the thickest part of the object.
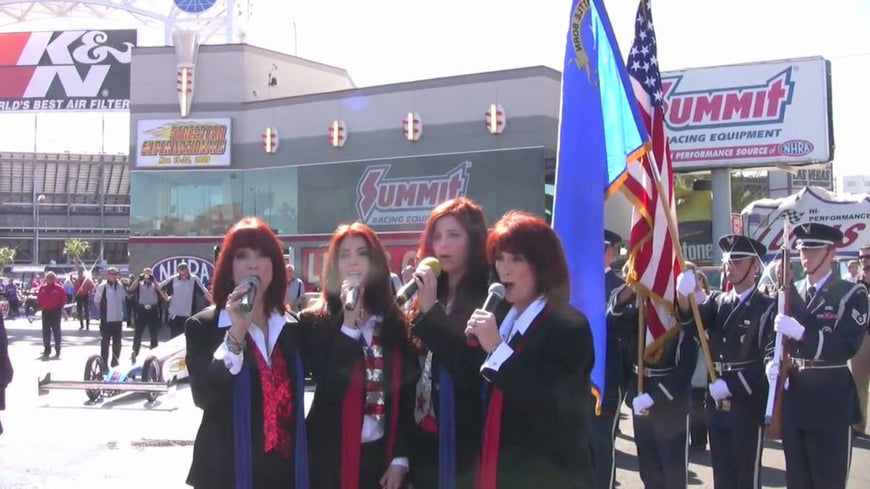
(749, 115)
(819, 177)
(183, 142)
(168, 267)
(850, 214)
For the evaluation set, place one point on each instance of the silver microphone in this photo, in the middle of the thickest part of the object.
(493, 298)
(248, 300)
(352, 297)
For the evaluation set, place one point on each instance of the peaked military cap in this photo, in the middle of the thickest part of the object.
(737, 247)
(611, 238)
(815, 235)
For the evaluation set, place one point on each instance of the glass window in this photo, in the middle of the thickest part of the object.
(206, 203)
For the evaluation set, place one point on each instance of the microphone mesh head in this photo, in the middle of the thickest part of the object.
(497, 289)
(432, 263)
(254, 280)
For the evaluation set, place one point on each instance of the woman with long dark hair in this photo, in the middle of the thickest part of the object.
(355, 346)
(538, 365)
(246, 372)
(447, 411)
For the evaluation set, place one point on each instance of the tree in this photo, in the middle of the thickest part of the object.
(7, 256)
(76, 248)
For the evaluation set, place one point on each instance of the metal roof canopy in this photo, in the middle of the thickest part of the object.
(220, 24)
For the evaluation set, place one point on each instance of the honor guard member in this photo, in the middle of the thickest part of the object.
(739, 325)
(661, 412)
(603, 426)
(825, 325)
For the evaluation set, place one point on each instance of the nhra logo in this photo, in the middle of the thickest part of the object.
(796, 147)
(722, 107)
(393, 201)
(66, 70)
(168, 267)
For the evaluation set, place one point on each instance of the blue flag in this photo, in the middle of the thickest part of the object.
(600, 132)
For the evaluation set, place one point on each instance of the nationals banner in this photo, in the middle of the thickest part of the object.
(183, 142)
(87, 70)
(749, 115)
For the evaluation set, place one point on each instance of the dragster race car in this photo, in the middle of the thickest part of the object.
(156, 373)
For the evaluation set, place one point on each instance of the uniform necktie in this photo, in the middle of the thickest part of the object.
(811, 294)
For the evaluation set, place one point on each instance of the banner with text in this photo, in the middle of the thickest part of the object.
(86, 70)
(186, 142)
(749, 115)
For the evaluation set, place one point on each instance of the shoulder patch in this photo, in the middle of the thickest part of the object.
(860, 319)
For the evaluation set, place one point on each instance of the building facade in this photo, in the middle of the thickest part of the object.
(344, 153)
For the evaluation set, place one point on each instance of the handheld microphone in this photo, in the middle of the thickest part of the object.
(352, 297)
(409, 289)
(493, 299)
(248, 300)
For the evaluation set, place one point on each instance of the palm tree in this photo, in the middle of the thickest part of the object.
(76, 248)
(7, 256)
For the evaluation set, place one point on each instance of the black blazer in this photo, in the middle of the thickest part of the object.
(544, 434)
(330, 357)
(444, 336)
(213, 465)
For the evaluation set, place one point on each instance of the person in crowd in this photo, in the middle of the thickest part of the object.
(824, 328)
(539, 358)
(68, 289)
(246, 372)
(6, 371)
(129, 301)
(186, 296)
(295, 295)
(109, 297)
(446, 444)
(660, 413)
(83, 288)
(739, 324)
(860, 363)
(854, 271)
(355, 345)
(148, 297)
(51, 299)
(14, 299)
(697, 421)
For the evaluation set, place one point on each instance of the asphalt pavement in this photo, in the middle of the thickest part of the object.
(60, 440)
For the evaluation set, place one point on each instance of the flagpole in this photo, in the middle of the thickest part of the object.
(641, 343)
(675, 238)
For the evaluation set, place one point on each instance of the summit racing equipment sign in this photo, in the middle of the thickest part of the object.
(186, 142)
(749, 115)
(396, 201)
(66, 70)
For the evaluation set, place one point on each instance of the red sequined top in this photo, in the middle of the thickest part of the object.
(277, 401)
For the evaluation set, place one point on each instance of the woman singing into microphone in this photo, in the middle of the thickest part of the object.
(355, 346)
(538, 365)
(446, 443)
(246, 373)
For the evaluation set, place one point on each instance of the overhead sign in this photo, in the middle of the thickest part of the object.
(168, 267)
(184, 142)
(396, 201)
(86, 70)
(749, 115)
(819, 177)
(850, 214)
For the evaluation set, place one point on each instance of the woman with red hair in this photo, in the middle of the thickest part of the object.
(538, 365)
(446, 443)
(246, 372)
(354, 341)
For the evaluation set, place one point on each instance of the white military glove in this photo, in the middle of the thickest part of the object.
(719, 390)
(788, 326)
(641, 403)
(686, 283)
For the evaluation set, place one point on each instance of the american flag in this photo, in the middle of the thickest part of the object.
(653, 264)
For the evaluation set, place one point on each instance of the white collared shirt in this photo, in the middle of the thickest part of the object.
(746, 293)
(513, 324)
(233, 361)
(372, 429)
(820, 283)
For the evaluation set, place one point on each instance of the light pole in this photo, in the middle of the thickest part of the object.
(36, 230)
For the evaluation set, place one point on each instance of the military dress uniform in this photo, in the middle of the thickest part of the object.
(739, 327)
(820, 401)
(662, 433)
(603, 426)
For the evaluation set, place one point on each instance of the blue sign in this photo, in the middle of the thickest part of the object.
(168, 267)
(194, 6)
